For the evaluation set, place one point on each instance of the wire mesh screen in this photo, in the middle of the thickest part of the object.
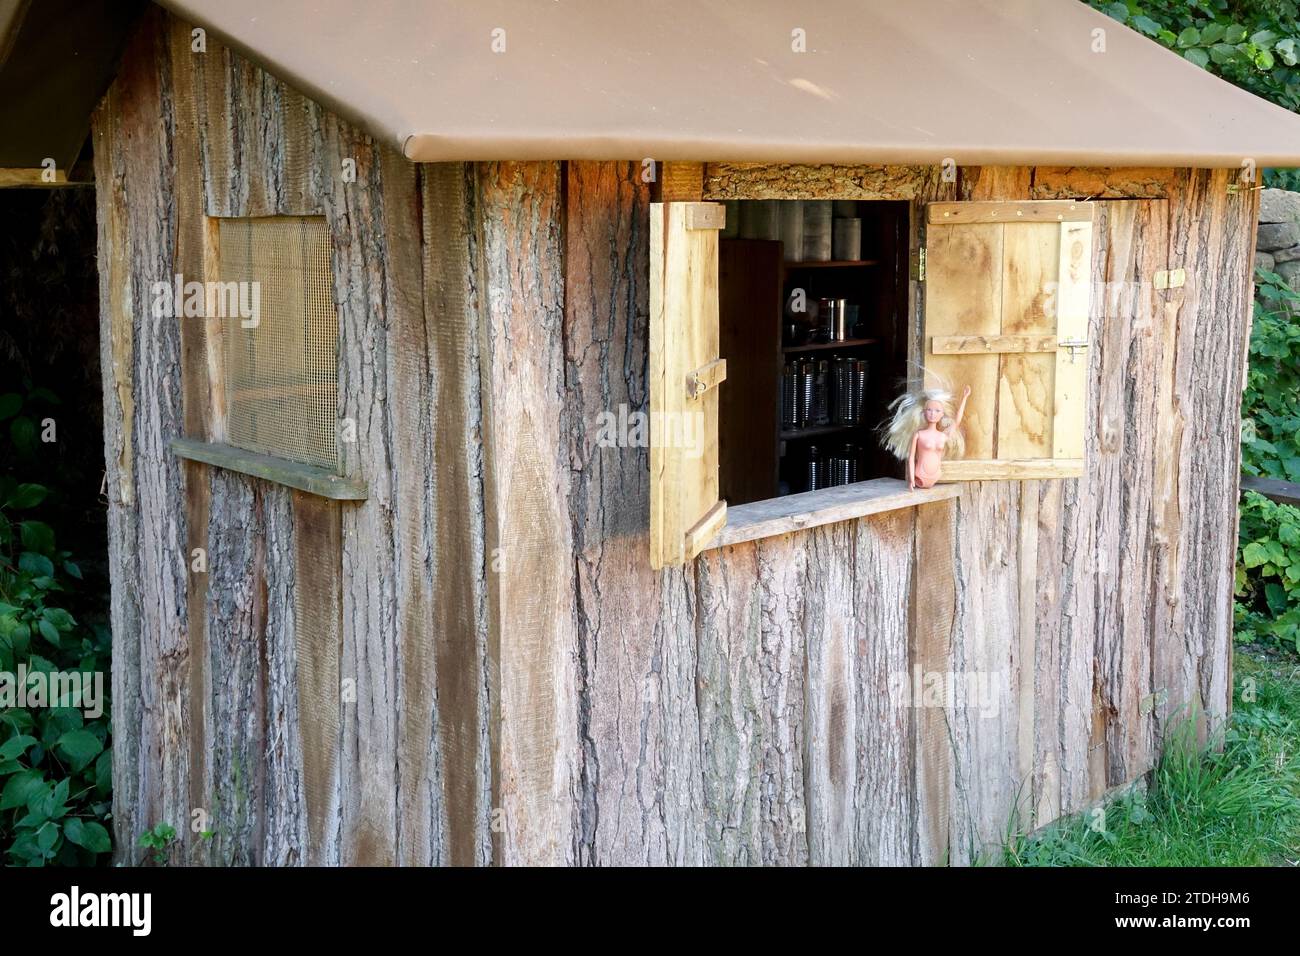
(281, 344)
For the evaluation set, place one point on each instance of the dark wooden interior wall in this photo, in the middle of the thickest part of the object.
(319, 691)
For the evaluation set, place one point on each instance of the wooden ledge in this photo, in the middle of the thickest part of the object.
(1283, 492)
(764, 519)
(308, 478)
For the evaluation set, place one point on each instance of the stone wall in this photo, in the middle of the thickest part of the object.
(1278, 246)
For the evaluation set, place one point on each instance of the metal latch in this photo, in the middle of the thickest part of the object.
(706, 377)
(918, 264)
(1073, 345)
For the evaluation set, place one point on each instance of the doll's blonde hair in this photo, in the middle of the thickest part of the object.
(907, 417)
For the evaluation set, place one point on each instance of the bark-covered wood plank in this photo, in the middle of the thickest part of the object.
(318, 533)
(985, 658)
(984, 708)
(281, 773)
(1122, 470)
(531, 590)
(751, 697)
(730, 702)
(198, 499)
(1212, 236)
(115, 341)
(625, 611)
(1026, 674)
(143, 410)
(453, 547)
(241, 596)
(831, 736)
(420, 835)
(784, 181)
(1084, 182)
(885, 798)
(932, 608)
(1044, 668)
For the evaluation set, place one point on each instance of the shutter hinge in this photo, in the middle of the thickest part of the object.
(1073, 345)
(706, 377)
(918, 264)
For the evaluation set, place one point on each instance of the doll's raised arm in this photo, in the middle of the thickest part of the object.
(961, 410)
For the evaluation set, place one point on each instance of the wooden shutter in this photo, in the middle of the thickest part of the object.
(685, 370)
(1006, 312)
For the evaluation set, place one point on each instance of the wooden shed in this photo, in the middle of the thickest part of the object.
(478, 532)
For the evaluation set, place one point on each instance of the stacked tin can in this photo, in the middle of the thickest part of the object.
(823, 392)
(816, 474)
(805, 397)
(850, 389)
(821, 407)
(840, 468)
(789, 394)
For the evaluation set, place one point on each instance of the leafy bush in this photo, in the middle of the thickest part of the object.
(1270, 406)
(1254, 45)
(21, 413)
(1268, 572)
(1268, 558)
(55, 762)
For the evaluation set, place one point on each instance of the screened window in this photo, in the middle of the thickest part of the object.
(280, 346)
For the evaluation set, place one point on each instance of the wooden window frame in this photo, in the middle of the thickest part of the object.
(785, 514)
(215, 450)
(722, 525)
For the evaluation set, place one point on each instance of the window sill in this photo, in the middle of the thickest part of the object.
(308, 478)
(765, 519)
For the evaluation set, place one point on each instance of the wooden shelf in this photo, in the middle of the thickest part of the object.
(819, 346)
(832, 264)
(816, 430)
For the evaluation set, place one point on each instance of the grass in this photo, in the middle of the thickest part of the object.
(1237, 807)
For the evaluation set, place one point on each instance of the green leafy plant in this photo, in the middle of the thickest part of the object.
(55, 765)
(1268, 557)
(1270, 404)
(158, 838)
(1268, 572)
(1288, 179)
(1253, 45)
(22, 415)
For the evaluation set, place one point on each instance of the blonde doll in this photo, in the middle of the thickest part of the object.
(923, 429)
